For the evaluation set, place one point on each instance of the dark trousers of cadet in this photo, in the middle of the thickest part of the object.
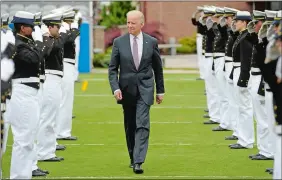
(137, 127)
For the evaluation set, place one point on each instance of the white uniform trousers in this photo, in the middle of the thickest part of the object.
(199, 41)
(40, 94)
(263, 134)
(212, 93)
(233, 109)
(24, 120)
(222, 94)
(277, 159)
(270, 118)
(64, 119)
(6, 127)
(245, 124)
(46, 139)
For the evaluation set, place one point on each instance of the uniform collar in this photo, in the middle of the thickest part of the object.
(24, 38)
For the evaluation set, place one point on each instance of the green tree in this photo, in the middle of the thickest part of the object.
(115, 13)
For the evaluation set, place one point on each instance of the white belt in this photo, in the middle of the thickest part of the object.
(25, 80)
(203, 51)
(227, 58)
(208, 54)
(255, 70)
(55, 72)
(236, 64)
(42, 77)
(218, 54)
(3, 107)
(69, 60)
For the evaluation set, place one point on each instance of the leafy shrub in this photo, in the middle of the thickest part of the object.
(102, 59)
(188, 45)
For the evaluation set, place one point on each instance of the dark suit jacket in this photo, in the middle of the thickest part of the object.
(123, 74)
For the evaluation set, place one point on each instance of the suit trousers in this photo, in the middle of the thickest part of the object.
(24, 121)
(263, 134)
(222, 94)
(199, 42)
(212, 92)
(46, 139)
(64, 119)
(233, 109)
(137, 129)
(245, 124)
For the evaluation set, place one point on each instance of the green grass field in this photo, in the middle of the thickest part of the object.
(181, 147)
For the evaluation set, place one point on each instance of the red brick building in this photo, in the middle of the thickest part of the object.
(176, 16)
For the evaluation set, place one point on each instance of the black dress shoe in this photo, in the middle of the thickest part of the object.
(237, 146)
(269, 169)
(37, 172)
(210, 122)
(54, 159)
(206, 110)
(44, 171)
(231, 138)
(60, 147)
(259, 157)
(199, 79)
(137, 169)
(219, 128)
(131, 164)
(70, 138)
(206, 116)
(73, 116)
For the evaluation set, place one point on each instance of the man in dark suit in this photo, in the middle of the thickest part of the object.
(137, 58)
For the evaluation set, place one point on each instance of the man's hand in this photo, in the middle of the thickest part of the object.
(159, 98)
(118, 95)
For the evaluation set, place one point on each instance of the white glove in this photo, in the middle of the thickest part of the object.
(77, 16)
(222, 21)
(251, 27)
(7, 69)
(10, 37)
(278, 71)
(66, 26)
(36, 34)
(4, 42)
(233, 26)
(270, 32)
(263, 30)
(62, 30)
(272, 52)
(74, 24)
(209, 23)
(44, 29)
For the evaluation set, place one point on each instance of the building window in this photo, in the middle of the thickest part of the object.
(276, 5)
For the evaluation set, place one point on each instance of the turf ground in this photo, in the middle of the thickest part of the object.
(180, 147)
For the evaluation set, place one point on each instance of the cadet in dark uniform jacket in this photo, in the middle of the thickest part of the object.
(211, 89)
(264, 138)
(218, 59)
(64, 119)
(24, 105)
(200, 34)
(52, 92)
(242, 53)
